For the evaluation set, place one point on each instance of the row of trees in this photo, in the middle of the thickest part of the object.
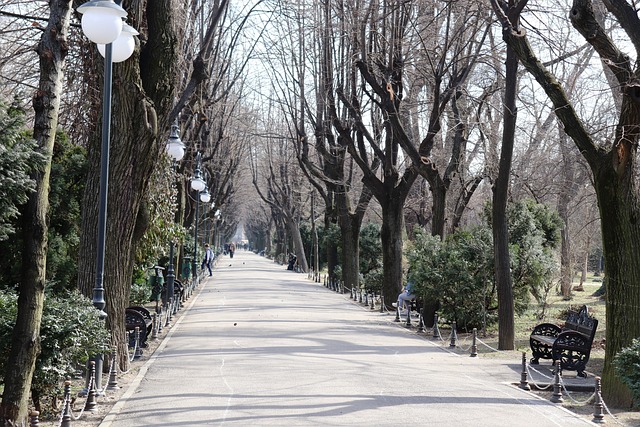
(400, 113)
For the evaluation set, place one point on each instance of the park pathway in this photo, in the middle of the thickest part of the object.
(262, 346)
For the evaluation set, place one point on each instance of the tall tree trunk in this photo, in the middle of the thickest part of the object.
(619, 210)
(25, 343)
(298, 245)
(391, 236)
(506, 310)
(137, 120)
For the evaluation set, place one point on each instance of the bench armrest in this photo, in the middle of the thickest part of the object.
(546, 329)
(572, 340)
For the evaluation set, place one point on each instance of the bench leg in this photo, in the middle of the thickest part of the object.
(534, 361)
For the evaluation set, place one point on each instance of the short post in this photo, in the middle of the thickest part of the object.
(138, 352)
(454, 335)
(366, 297)
(397, 319)
(90, 404)
(160, 321)
(408, 323)
(373, 300)
(66, 408)
(556, 396)
(474, 345)
(524, 382)
(598, 406)
(421, 328)
(381, 303)
(360, 295)
(154, 328)
(113, 372)
(34, 419)
(436, 330)
(351, 293)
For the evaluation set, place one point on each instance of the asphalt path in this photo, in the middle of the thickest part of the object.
(258, 345)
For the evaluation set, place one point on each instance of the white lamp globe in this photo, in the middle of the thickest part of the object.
(205, 196)
(197, 184)
(175, 150)
(175, 147)
(121, 48)
(102, 21)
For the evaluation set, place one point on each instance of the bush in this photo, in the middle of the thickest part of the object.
(627, 366)
(458, 273)
(70, 333)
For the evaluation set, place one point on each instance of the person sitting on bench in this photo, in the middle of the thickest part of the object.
(405, 297)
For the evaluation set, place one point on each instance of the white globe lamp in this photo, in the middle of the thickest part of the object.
(175, 147)
(121, 48)
(102, 20)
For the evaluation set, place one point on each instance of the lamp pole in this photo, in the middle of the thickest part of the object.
(198, 185)
(175, 150)
(102, 23)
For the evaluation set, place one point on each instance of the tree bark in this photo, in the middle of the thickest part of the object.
(392, 245)
(504, 281)
(25, 344)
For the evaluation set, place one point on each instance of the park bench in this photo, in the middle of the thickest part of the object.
(571, 345)
(141, 318)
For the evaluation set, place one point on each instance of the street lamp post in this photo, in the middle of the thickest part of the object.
(102, 23)
(175, 150)
(198, 185)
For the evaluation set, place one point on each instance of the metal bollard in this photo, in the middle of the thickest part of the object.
(373, 300)
(474, 345)
(34, 420)
(113, 372)
(154, 327)
(366, 298)
(90, 404)
(381, 303)
(436, 330)
(351, 293)
(598, 406)
(408, 323)
(556, 396)
(138, 352)
(454, 335)
(421, 328)
(524, 383)
(66, 409)
(160, 321)
(397, 319)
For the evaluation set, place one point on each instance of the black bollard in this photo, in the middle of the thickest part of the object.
(66, 405)
(556, 396)
(34, 419)
(436, 330)
(474, 345)
(397, 319)
(381, 303)
(454, 335)
(90, 404)
(598, 406)
(373, 300)
(524, 383)
(421, 328)
(408, 323)
(113, 372)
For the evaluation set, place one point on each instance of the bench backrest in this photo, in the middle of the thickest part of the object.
(580, 321)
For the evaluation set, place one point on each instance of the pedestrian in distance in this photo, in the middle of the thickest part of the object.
(208, 258)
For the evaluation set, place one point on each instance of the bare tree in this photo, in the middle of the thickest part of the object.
(613, 166)
(25, 344)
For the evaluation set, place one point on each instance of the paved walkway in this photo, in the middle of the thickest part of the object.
(261, 346)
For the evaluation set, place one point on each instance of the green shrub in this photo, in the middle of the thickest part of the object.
(627, 366)
(458, 273)
(70, 333)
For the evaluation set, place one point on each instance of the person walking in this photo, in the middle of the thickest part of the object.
(232, 249)
(208, 258)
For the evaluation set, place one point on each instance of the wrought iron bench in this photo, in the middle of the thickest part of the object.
(141, 318)
(570, 344)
